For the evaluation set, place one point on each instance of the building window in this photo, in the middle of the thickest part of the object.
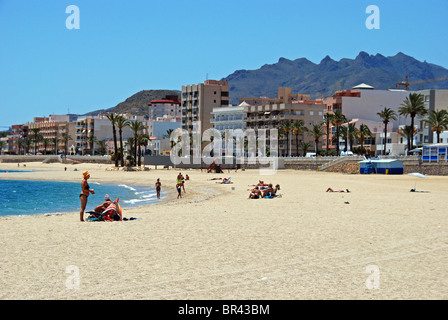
(311, 113)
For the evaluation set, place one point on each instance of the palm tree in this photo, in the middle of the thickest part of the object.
(316, 132)
(136, 127)
(113, 120)
(304, 146)
(35, 136)
(363, 133)
(20, 144)
(102, 147)
(338, 119)
(142, 140)
(438, 120)
(121, 122)
(65, 139)
(412, 106)
(130, 143)
(46, 142)
(406, 132)
(298, 127)
(91, 140)
(287, 127)
(386, 115)
(352, 134)
(328, 119)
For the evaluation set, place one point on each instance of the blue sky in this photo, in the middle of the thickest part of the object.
(123, 47)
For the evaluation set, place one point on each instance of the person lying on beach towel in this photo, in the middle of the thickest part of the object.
(112, 213)
(270, 192)
(255, 193)
(104, 205)
(225, 181)
(331, 190)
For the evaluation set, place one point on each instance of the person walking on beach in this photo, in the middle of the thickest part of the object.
(85, 192)
(179, 190)
(181, 181)
(158, 187)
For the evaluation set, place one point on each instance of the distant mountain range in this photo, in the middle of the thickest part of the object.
(137, 104)
(304, 76)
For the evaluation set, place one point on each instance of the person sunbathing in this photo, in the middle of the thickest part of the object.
(269, 191)
(255, 193)
(104, 205)
(331, 190)
(225, 181)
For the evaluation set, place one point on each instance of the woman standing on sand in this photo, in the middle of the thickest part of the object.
(85, 192)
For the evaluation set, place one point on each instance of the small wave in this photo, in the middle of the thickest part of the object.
(134, 201)
(127, 187)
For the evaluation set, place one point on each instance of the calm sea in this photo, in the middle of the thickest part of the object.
(25, 197)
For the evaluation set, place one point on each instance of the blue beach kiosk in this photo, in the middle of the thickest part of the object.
(436, 152)
(383, 166)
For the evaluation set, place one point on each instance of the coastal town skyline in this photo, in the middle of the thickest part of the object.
(119, 50)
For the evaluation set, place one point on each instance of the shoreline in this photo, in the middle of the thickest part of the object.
(170, 195)
(216, 244)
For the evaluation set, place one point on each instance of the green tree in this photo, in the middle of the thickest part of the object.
(287, 127)
(305, 146)
(363, 133)
(316, 132)
(35, 137)
(406, 132)
(45, 142)
(438, 120)
(142, 140)
(102, 147)
(65, 139)
(338, 119)
(412, 106)
(328, 119)
(91, 140)
(121, 122)
(352, 134)
(136, 127)
(113, 120)
(298, 127)
(386, 115)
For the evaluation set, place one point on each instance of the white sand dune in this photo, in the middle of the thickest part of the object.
(214, 243)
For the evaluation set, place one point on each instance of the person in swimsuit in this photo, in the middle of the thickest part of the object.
(107, 202)
(255, 193)
(181, 181)
(85, 192)
(331, 190)
(179, 191)
(158, 187)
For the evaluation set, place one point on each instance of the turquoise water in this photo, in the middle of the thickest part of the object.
(26, 197)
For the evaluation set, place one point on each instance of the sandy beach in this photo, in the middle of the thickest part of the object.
(380, 241)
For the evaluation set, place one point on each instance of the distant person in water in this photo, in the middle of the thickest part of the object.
(85, 192)
(158, 187)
